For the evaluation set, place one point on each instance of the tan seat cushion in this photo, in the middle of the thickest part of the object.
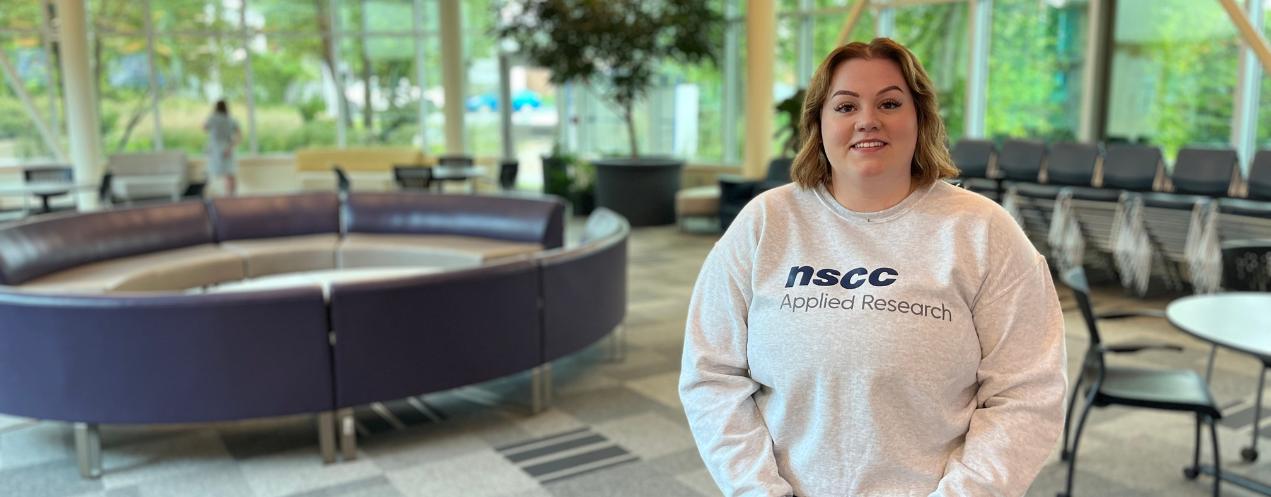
(443, 251)
(289, 254)
(176, 269)
(698, 201)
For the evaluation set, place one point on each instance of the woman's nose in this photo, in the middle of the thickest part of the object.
(867, 121)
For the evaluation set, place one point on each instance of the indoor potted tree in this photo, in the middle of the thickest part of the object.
(614, 47)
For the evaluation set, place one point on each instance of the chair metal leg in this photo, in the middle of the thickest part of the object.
(1209, 367)
(1072, 402)
(1213, 435)
(1250, 453)
(1192, 471)
(1076, 442)
(540, 388)
(326, 436)
(88, 448)
(348, 433)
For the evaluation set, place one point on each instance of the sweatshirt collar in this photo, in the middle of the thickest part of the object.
(885, 215)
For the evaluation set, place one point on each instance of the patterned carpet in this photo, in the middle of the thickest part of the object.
(615, 429)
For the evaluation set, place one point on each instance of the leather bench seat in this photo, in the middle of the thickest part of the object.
(360, 250)
(168, 270)
(290, 254)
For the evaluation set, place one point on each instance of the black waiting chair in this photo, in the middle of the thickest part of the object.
(455, 161)
(1020, 161)
(973, 158)
(1069, 166)
(413, 177)
(1246, 267)
(735, 192)
(1255, 208)
(1155, 388)
(341, 180)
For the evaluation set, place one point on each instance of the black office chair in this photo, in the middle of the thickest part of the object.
(413, 177)
(1165, 389)
(104, 193)
(1246, 267)
(341, 180)
(508, 169)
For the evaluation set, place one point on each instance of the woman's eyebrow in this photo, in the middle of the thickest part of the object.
(857, 95)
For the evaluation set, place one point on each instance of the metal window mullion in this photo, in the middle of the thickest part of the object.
(885, 23)
(979, 22)
(803, 71)
(46, 34)
(421, 74)
(732, 81)
(337, 77)
(155, 90)
(1244, 118)
(248, 79)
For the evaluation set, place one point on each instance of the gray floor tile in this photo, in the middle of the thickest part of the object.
(628, 480)
(51, 479)
(376, 486)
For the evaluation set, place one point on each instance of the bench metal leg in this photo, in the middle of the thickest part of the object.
(540, 388)
(88, 448)
(618, 344)
(348, 433)
(326, 436)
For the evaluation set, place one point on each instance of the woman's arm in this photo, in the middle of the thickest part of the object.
(1022, 377)
(715, 387)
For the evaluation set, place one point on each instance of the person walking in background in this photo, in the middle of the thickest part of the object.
(870, 329)
(222, 136)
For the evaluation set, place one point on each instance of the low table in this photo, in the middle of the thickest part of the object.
(1240, 321)
(323, 278)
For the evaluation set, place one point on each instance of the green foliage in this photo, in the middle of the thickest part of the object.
(792, 110)
(614, 44)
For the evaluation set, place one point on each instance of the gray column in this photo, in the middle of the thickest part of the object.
(885, 23)
(81, 112)
(1244, 118)
(452, 73)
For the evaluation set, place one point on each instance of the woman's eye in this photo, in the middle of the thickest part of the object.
(845, 108)
(891, 104)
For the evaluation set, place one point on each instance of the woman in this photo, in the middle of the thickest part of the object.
(871, 329)
(222, 136)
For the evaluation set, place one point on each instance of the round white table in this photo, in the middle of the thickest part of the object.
(1237, 320)
(1240, 321)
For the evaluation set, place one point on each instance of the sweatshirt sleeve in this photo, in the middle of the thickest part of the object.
(1022, 375)
(715, 386)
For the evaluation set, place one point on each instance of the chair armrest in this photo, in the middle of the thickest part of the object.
(1132, 313)
(1130, 348)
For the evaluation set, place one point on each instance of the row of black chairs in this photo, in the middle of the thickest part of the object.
(1120, 209)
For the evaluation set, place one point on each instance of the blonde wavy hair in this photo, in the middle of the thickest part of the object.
(931, 161)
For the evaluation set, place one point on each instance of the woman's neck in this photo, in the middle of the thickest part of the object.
(872, 195)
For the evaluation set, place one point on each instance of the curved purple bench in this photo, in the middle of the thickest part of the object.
(167, 357)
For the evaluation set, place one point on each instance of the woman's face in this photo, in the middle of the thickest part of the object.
(869, 124)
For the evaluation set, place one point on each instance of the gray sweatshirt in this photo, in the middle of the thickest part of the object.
(913, 351)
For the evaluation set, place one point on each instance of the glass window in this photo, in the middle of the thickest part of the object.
(1035, 68)
(1174, 68)
(194, 72)
(19, 138)
(937, 34)
(379, 72)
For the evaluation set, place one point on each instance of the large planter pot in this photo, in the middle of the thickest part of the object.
(642, 190)
(556, 178)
